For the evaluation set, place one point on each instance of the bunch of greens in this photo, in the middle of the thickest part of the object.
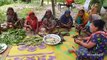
(14, 36)
(33, 41)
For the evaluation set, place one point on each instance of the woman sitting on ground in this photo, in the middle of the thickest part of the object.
(66, 20)
(31, 23)
(95, 46)
(12, 18)
(48, 21)
(81, 20)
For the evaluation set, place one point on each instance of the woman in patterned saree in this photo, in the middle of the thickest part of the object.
(95, 46)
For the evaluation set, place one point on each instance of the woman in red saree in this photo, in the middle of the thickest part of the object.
(31, 23)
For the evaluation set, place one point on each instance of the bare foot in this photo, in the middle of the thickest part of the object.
(71, 50)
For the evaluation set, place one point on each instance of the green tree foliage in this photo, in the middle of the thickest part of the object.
(2, 16)
(79, 1)
(5, 2)
(23, 13)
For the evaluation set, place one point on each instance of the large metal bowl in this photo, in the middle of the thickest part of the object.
(52, 39)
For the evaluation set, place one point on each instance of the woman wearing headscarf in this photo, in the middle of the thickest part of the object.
(48, 21)
(66, 20)
(82, 17)
(81, 20)
(31, 23)
(48, 15)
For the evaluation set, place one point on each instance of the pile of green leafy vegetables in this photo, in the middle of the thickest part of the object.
(33, 40)
(11, 37)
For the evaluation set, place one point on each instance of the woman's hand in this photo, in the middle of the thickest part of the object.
(77, 41)
(29, 27)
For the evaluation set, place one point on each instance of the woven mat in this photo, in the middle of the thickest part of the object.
(58, 52)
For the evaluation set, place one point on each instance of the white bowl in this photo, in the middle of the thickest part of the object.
(4, 47)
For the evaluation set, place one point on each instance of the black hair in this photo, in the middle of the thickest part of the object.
(10, 8)
(15, 18)
(82, 10)
(46, 13)
(99, 23)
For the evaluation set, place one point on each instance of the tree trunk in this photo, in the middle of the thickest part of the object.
(42, 2)
(53, 7)
(55, 2)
